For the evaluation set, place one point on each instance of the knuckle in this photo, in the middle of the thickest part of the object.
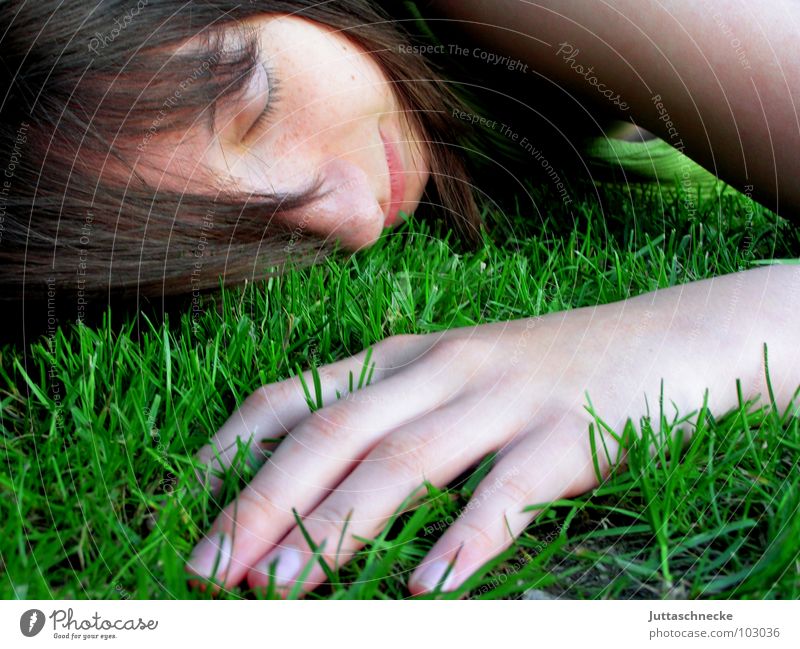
(516, 493)
(403, 454)
(399, 340)
(477, 535)
(259, 398)
(460, 348)
(266, 397)
(325, 527)
(386, 354)
(252, 502)
(330, 517)
(327, 425)
(448, 347)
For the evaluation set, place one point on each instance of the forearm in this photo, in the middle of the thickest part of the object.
(713, 332)
(726, 72)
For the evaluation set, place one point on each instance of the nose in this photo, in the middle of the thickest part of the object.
(347, 210)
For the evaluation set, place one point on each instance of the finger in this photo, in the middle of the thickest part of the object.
(309, 463)
(274, 409)
(542, 467)
(436, 449)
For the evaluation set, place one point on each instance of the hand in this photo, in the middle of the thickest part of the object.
(436, 405)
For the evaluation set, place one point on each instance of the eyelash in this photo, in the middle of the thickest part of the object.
(272, 96)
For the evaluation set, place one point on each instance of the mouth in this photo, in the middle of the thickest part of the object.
(397, 181)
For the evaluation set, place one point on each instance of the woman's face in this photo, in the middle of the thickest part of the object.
(333, 115)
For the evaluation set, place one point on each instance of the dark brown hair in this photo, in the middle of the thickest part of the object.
(83, 80)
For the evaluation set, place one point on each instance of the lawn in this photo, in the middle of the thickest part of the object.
(96, 464)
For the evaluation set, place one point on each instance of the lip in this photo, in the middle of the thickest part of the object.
(397, 181)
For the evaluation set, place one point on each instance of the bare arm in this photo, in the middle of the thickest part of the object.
(727, 73)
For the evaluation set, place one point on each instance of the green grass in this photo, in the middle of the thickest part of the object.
(95, 476)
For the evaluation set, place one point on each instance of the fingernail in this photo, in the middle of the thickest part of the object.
(432, 574)
(288, 567)
(212, 551)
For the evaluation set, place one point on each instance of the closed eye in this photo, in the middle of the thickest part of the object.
(262, 120)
